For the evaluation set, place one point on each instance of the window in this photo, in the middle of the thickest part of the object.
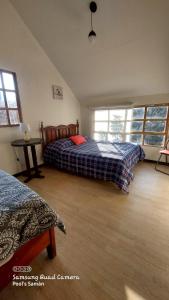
(10, 111)
(109, 124)
(145, 125)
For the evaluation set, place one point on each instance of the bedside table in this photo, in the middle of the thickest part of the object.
(32, 143)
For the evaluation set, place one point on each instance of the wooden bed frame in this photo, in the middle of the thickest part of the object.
(26, 253)
(53, 133)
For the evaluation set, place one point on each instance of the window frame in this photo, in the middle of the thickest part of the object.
(124, 133)
(108, 122)
(145, 119)
(16, 91)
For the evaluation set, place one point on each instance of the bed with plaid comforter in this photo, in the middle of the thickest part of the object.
(101, 160)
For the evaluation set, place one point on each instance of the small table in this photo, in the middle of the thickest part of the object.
(32, 143)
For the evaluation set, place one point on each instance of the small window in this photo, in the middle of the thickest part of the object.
(115, 137)
(10, 110)
(157, 112)
(138, 113)
(134, 138)
(117, 126)
(156, 126)
(154, 140)
(155, 129)
(101, 115)
(134, 126)
(117, 114)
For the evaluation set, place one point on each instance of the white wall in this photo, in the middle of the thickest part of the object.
(152, 153)
(20, 52)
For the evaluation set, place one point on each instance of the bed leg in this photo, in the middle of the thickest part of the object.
(51, 248)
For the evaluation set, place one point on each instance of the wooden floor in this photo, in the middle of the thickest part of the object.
(118, 244)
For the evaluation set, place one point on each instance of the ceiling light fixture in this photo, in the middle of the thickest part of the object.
(92, 33)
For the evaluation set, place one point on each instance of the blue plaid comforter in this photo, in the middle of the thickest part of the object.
(101, 160)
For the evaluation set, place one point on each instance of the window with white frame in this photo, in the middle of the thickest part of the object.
(146, 125)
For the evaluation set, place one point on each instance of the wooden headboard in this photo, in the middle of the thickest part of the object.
(53, 133)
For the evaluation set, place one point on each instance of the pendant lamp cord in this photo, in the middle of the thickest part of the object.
(91, 21)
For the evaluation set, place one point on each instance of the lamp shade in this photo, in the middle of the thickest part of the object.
(24, 127)
(92, 36)
(25, 131)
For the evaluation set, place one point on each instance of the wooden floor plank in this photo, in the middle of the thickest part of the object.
(118, 244)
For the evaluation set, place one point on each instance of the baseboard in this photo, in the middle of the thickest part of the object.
(43, 164)
(24, 171)
(154, 161)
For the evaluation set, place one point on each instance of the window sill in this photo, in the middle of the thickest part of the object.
(5, 126)
(153, 146)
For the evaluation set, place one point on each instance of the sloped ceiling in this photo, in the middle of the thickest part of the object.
(131, 53)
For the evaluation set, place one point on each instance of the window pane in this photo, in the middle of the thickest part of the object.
(2, 102)
(0, 83)
(134, 126)
(14, 116)
(101, 115)
(117, 114)
(11, 99)
(154, 140)
(157, 126)
(3, 117)
(8, 81)
(135, 113)
(114, 137)
(100, 136)
(101, 126)
(129, 114)
(156, 112)
(134, 138)
(138, 113)
(116, 126)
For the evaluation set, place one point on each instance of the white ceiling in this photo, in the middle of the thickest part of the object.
(131, 53)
